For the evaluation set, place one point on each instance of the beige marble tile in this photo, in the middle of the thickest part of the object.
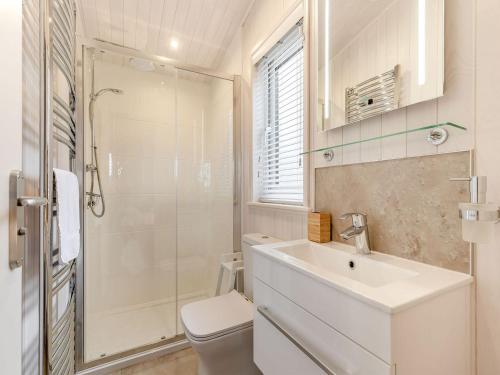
(184, 362)
(412, 208)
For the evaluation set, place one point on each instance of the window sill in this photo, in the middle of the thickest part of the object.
(276, 206)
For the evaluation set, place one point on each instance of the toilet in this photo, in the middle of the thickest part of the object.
(220, 329)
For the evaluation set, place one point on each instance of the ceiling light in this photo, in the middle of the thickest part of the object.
(174, 44)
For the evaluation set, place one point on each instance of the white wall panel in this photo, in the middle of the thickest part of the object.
(11, 146)
(488, 161)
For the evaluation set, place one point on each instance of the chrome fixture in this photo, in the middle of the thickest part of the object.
(477, 187)
(93, 167)
(373, 96)
(17, 229)
(478, 217)
(478, 209)
(358, 230)
(437, 136)
(57, 325)
(328, 155)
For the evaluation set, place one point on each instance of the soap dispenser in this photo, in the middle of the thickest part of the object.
(478, 217)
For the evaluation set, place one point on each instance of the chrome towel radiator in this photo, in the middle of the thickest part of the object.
(372, 97)
(59, 151)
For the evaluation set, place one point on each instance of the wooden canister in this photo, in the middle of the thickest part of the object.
(319, 227)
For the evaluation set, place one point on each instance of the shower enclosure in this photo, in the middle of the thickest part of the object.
(166, 155)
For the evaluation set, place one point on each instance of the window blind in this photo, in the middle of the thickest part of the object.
(279, 121)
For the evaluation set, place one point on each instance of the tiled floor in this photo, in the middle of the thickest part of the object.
(184, 362)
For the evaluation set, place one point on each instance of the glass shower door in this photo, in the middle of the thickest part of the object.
(204, 182)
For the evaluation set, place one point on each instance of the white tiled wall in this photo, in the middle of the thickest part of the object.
(129, 250)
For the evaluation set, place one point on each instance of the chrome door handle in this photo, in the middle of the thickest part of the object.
(31, 201)
(297, 342)
(17, 231)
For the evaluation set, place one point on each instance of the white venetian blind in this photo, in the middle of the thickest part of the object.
(279, 121)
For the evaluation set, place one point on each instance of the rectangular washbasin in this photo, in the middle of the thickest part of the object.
(362, 269)
(384, 281)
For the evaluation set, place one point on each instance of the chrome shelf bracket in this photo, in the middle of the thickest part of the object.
(437, 136)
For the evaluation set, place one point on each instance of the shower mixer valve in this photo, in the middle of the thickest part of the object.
(90, 168)
(93, 199)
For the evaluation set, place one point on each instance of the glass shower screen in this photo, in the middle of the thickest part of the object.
(165, 153)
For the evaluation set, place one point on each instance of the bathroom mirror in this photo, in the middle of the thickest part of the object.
(374, 56)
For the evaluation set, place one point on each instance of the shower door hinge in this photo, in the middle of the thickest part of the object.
(17, 231)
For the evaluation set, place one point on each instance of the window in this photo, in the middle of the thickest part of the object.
(279, 122)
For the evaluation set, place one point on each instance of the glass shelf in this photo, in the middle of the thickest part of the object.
(437, 136)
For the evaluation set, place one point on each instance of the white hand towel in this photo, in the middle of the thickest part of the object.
(68, 214)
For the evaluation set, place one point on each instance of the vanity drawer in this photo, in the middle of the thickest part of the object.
(364, 324)
(281, 328)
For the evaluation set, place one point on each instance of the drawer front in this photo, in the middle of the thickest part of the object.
(364, 324)
(289, 340)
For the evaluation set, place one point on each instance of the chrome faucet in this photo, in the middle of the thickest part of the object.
(358, 230)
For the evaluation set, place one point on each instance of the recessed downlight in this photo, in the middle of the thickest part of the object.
(174, 44)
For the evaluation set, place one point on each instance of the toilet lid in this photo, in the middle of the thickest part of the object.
(217, 315)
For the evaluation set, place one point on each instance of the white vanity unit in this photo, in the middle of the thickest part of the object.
(325, 309)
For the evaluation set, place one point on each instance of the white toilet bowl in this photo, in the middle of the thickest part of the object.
(220, 329)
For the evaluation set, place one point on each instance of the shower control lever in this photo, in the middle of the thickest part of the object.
(90, 168)
(17, 231)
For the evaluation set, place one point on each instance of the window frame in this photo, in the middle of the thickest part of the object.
(273, 81)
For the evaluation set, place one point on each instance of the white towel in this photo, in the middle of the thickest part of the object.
(68, 214)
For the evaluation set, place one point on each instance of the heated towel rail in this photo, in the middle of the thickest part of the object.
(60, 152)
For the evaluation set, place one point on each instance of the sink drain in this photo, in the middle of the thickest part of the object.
(352, 265)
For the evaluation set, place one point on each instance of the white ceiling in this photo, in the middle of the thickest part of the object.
(203, 28)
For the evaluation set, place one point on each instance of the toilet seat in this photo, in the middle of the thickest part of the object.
(218, 316)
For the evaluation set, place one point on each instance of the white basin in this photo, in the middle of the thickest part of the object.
(363, 269)
(387, 282)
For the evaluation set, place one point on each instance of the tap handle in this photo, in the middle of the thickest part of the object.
(348, 215)
(358, 219)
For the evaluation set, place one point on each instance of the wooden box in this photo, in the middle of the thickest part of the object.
(319, 227)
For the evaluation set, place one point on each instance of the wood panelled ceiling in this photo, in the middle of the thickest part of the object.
(202, 29)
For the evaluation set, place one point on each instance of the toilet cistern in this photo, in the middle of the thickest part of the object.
(358, 230)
